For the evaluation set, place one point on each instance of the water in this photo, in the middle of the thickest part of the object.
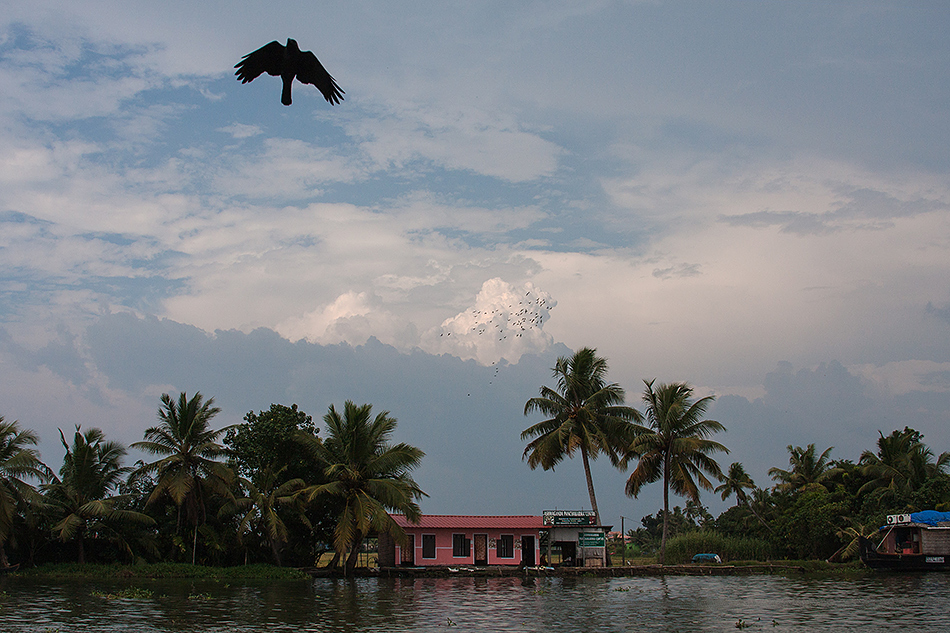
(548, 605)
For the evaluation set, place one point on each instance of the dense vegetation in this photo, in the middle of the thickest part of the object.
(815, 509)
(267, 490)
(273, 490)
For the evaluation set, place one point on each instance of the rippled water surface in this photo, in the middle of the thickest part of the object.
(549, 605)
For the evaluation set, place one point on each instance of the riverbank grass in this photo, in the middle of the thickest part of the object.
(165, 570)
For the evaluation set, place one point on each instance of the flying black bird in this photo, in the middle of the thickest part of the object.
(289, 62)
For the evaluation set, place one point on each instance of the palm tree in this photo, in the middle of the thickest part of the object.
(92, 470)
(735, 482)
(586, 415)
(674, 447)
(261, 506)
(17, 462)
(189, 470)
(365, 475)
(807, 470)
(852, 536)
(902, 463)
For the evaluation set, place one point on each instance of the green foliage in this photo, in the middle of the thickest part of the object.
(367, 477)
(128, 593)
(807, 469)
(934, 494)
(81, 497)
(681, 549)
(187, 471)
(807, 527)
(902, 463)
(165, 570)
(18, 462)
(674, 446)
(267, 440)
(586, 415)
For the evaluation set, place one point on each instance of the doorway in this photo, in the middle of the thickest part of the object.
(408, 556)
(568, 553)
(481, 549)
(527, 551)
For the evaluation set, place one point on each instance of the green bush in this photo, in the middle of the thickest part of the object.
(681, 549)
(167, 570)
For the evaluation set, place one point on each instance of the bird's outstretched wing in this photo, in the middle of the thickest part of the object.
(311, 71)
(267, 59)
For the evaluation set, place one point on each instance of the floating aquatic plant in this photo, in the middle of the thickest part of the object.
(129, 593)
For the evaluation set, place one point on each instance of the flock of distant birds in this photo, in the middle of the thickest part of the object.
(524, 318)
(289, 63)
(517, 319)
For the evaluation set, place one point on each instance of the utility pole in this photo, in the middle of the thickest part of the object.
(623, 542)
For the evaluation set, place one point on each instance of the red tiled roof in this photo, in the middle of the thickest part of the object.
(458, 522)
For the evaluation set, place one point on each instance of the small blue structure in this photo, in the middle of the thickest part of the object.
(707, 558)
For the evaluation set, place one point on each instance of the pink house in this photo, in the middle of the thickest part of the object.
(443, 540)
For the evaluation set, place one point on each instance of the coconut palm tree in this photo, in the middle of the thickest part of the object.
(902, 463)
(82, 494)
(674, 447)
(366, 477)
(261, 507)
(851, 535)
(586, 415)
(188, 471)
(17, 462)
(807, 469)
(735, 482)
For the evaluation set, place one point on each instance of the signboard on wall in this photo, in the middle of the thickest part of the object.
(591, 539)
(568, 517)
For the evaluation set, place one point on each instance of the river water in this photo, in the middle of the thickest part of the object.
(548, 605)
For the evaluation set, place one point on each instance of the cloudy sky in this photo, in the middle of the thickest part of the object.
(749, 197)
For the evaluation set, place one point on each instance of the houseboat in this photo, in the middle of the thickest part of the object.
(913, 541)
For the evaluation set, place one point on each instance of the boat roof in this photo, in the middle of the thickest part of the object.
(924, 518)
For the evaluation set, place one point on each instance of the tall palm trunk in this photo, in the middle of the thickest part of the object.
(590, 485)
(82, 548)
(354, 554)
(666, 509)
(756, 515)
(275, 550)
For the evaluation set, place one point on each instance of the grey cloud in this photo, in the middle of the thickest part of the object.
(60, 356)
(827, 406)
(789, 221)
(942, 313)
(466, 417)
(677, 270)
(861, 209)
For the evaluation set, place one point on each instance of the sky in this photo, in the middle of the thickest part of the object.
(748, 197)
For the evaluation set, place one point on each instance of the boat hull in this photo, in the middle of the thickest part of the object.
(902, 562)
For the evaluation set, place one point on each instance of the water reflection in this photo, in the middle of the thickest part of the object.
(551, 605)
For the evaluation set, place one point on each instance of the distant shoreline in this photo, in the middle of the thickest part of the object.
(784, 568)
(263, 571)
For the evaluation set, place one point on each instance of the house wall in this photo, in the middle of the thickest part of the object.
(936, 541)
(386, 551)
(444, 546)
